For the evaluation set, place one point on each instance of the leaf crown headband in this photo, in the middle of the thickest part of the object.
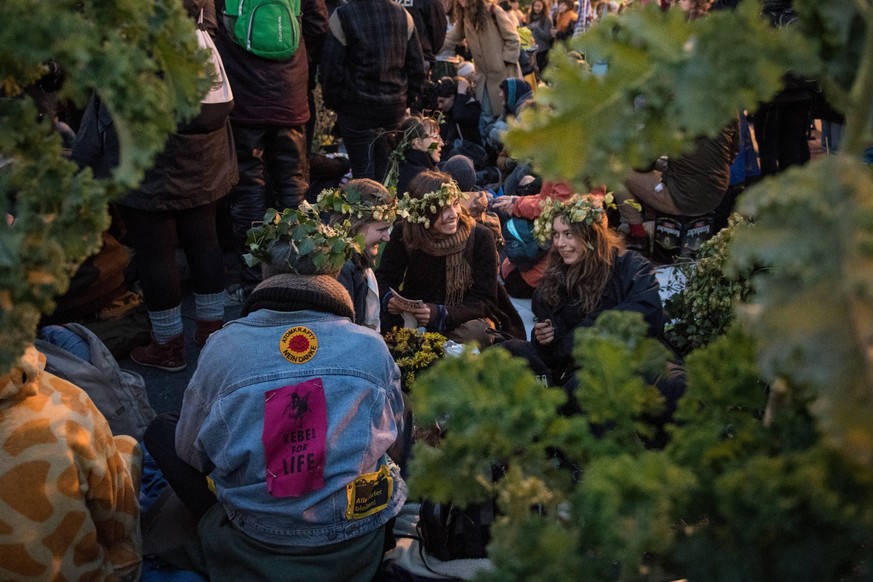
(349, 203)
(587, 209)
(419, 211)
(327, 246)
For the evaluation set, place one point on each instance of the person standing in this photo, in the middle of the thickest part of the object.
(175, 205)
(269, 124)
(371, 70)
(540, 25)
(494, 44)
(430, 23)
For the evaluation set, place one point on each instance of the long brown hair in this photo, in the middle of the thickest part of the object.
(581, 283)
(415, 235)
(543, 14)
(476, 13)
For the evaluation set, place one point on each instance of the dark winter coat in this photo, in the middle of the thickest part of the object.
(414, 163)
(461, 122)
(430, 22)
(698, 180)
(419, 275)
(268, 92)
(379, 69)
(632, 286)
(195, 168)
(542, 33)
(352, 278)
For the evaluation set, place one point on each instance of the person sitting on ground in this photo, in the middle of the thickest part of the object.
(290, 412)
(522, 280)
(689, 185)
(460, 124)
(588, 272)
(370, 210)
(440, 256)
(514, 94)
(475, 201)
(69, 489)
(419, 149)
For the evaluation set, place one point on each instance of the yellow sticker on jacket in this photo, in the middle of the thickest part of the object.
(369, 493)
(298, 345)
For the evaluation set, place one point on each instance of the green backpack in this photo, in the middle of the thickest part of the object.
(267, 28)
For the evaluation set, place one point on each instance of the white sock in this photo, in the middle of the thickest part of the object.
(166, 324)
(210, 306)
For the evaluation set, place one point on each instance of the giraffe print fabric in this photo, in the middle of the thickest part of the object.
(69, 505)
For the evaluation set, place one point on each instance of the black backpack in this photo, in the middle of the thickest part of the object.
(453, 533)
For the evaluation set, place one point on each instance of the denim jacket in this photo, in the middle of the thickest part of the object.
(223, 417)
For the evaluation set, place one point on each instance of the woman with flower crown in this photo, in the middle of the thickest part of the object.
(369, 209)
(589, 271)
(443, 258)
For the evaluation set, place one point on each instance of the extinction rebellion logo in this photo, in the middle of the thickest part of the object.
(298, 345)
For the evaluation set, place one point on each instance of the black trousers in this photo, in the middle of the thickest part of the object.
(189, 484)
(273, 173)
(155, 235)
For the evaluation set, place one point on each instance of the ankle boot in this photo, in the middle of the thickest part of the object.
(168, 356)
(205, 329)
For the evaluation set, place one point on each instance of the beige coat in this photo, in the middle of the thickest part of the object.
(492, 47)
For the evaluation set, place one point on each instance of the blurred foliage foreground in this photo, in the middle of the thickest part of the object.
(143, 61)
(768, 474)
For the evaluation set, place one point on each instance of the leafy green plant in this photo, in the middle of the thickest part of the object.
(325, 120)
(142, 60)
(414, 351)
(324, 247)
(768, 472)
(703, 308)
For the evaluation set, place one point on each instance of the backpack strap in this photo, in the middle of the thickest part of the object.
(410, 25)
(336, 28)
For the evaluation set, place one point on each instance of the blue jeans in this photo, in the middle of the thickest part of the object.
(368, 145)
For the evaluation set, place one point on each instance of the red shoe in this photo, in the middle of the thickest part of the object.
(168, 356)
(205, 329)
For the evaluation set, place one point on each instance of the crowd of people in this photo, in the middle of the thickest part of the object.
(292, 439)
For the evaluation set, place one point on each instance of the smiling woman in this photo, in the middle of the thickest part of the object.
(588, 272)
(439, 255)
(369, 210)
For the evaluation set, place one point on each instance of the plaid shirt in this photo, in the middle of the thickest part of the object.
(379, 69)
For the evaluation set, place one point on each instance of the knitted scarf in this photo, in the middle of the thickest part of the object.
(459, 276)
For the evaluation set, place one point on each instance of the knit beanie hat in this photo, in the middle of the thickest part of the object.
(461, 169)
(292, 292)
(515, 93)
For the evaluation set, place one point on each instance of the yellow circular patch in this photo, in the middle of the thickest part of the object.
(298, 345)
